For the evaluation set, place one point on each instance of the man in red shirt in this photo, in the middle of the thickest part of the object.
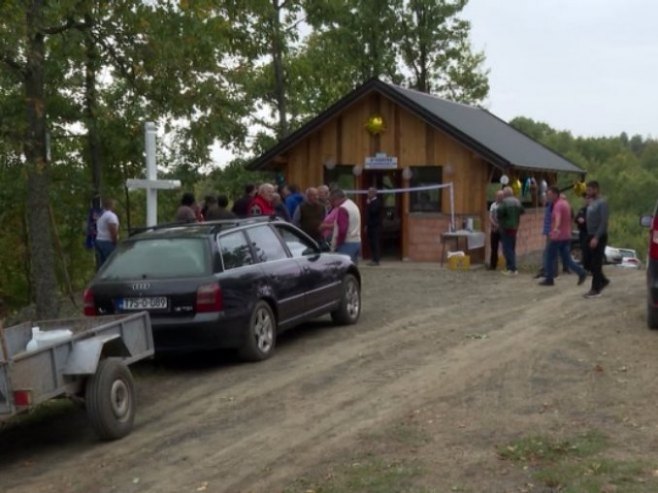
(261, 205)
(560, 236)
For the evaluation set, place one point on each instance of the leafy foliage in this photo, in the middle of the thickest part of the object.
(625, 169)
(206, 72)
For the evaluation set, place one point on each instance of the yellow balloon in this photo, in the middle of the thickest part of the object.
(375, 124)
(516, 186)
(579, 187)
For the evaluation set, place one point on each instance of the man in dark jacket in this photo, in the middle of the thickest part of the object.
(374, 212)
(241, 206)
(597, 237)
(509, 217)
(217, 209)
(310, 214)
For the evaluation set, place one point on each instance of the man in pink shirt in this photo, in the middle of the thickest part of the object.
(346, 236)
(560, 236)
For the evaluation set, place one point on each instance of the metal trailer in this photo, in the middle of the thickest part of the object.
(92, 364)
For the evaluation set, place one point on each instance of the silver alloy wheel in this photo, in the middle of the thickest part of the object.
(352, 299)
(120, 400)
(264, 330)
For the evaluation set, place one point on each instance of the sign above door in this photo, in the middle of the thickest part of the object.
(381, 161)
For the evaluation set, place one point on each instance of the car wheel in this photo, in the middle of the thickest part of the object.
(350, 303)
(652, 317)
(110, 399)
(261, 334)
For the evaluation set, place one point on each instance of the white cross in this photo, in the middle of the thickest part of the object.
(151, 183)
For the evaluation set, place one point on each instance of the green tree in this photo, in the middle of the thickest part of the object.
(435, 47)
(24, 30)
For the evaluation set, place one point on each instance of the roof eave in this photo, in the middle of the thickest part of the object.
(268, 158)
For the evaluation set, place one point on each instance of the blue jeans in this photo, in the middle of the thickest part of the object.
(508, 240)
(103, 250)
(563, 249)
(351, 249)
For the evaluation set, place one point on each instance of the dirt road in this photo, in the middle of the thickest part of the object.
(443, 367)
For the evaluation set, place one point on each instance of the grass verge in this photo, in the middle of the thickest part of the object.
(579, 465)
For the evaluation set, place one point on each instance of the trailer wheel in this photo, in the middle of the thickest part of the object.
(110, 398)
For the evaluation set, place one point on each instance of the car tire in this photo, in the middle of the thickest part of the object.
(261, 334)
(652, 317)
(110, 399)
(350, 302)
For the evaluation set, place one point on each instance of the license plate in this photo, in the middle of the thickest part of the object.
(154, 303)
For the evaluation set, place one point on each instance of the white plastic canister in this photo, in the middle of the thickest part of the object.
(47, 338)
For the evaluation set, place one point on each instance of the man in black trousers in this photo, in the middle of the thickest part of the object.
(597, 237)
(374, 212)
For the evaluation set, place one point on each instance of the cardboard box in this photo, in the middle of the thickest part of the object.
(459, 262)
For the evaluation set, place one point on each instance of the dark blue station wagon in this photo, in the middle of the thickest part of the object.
(225, 284)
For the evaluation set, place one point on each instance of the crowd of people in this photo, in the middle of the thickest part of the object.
(334, 221)
(591, 221)
(325, 213)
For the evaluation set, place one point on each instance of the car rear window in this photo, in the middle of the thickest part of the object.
(159, 258)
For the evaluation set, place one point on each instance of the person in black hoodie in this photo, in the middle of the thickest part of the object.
(241, 205)
(581, 223)
(374, 212)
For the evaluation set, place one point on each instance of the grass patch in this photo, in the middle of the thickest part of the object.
(546, 449)
(371, 474)
(407, 434)
(577, 465)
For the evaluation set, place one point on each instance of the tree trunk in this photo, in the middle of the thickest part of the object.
(279, 78)
(91, 109)
(43, 277)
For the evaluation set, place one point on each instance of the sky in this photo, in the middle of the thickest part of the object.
(586, 66)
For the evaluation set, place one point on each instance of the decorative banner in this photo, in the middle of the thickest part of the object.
(437, 186)
(421, 188)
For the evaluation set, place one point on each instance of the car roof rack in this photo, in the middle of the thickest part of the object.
(214, 226)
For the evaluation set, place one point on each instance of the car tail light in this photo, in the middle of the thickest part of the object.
(22, 398)
(89, 303)
(653, 242)
(209, 298)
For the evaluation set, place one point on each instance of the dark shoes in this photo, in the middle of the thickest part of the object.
(581, 278)
(547, 282)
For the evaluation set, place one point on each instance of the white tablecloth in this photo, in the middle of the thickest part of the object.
(474, 239)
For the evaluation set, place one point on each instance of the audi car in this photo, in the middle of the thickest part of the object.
(225, 284)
